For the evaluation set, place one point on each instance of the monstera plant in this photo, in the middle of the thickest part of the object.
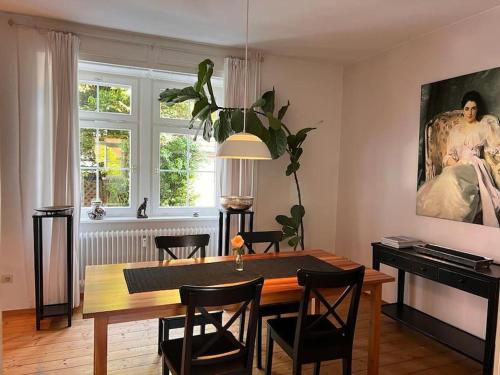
(261, 120)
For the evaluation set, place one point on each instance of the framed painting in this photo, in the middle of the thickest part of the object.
(459, 149)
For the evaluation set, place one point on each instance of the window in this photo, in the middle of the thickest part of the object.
(187, 171)
(105, 166)
(105, 98)
(132, 146)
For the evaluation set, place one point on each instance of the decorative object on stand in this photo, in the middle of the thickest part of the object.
(238, 249)
(141, 211)
(236, 203)
(241, 130)
(60, 309)
(97, 212)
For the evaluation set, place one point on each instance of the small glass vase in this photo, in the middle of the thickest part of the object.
(239, 261)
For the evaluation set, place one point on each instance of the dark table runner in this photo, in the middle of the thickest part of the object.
(172, 277)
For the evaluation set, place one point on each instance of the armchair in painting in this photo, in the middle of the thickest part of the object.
(462, 169)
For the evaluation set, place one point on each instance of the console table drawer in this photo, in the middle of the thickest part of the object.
(425, 270)
(464, 282)
(394, 260)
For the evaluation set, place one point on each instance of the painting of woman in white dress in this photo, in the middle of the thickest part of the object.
(461, 151)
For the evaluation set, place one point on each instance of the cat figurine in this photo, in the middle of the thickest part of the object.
(141, 211)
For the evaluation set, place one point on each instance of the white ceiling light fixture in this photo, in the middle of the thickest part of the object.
(244, 145)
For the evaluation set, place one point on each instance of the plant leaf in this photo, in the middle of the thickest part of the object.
(297, 153)
(237, 121)
(254, 126)
(292, 168)
(302, 134)
(199, 106)
(291, 140)
(205, 71)
(274, 123)
(287, 221)
(277, 142)
(268, 96)
(294, 241)
(222, 127)
(174, 96)
(282, 111)
(259, 103)
(298, 211)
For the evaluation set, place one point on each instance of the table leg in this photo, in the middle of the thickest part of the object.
(100, 345)
(374, 338)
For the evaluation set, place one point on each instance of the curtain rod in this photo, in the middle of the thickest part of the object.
(11, 22)
(150, 44)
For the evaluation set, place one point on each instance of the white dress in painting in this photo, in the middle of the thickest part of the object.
(470, 183)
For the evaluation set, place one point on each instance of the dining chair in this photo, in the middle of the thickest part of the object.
(314, 338)
(219, 352)
(167, 244)
(272, 238)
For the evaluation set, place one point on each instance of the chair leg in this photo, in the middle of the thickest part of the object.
(202, 329)
(297, 368)
(242, 325)
(317, 366)
(346, 366)
(269, 353)
(259, 342)
(160, 335)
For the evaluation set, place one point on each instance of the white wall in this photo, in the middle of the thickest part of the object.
(315, 91)
(379, 145)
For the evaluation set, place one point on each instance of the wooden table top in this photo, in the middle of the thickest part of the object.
(106, 291)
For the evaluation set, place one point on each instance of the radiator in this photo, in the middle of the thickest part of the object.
(135, 245)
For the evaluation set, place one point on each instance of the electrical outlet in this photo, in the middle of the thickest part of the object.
(7, 279)
(144, 241)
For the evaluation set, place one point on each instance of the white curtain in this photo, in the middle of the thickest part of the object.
(238, 177)
(40, 155)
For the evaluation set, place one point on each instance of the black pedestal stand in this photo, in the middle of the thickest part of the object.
(227, 226)
(60, 309)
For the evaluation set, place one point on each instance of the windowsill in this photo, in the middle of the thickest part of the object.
(124, 219)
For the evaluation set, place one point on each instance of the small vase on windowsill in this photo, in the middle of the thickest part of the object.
(238, 249)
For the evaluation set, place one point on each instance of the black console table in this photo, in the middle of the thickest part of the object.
(483, 283)
(59, 309)
(226, 224)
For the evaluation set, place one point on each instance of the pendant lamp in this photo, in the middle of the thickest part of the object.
(244, 145)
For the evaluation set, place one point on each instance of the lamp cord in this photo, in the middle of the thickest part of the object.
(246, 74)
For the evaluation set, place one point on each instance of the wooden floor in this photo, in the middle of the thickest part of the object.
(132, 349)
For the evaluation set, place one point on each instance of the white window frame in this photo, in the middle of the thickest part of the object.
(117, 80)
(176, 126)
(145, 125)
(174, 211)
(118, 121)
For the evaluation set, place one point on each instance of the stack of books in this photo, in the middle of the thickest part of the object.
(400, 241)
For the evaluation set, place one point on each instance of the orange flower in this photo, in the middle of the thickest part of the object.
(237, 242)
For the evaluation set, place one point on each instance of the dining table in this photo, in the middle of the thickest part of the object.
(107, 299)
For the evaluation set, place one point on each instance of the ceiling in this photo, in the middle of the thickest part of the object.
(342, 31)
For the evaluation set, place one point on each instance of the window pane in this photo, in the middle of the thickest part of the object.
(114, 148)
(88, 188)
(88, 147)
(173, 152)
(202, 189)
(88, 97)
(114, 186)
(173, 189)
(180, 111)
(114, 99)
(202, 155)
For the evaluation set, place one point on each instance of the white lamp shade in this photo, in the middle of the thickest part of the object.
(244, 146)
